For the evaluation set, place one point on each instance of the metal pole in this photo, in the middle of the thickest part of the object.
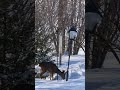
(69, 59)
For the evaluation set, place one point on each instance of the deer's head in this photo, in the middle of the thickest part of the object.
(63, 74)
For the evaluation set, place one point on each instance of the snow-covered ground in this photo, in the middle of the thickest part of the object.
(76, 79)
(106, 78)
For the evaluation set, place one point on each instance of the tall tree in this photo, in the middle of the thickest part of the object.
(56, 17)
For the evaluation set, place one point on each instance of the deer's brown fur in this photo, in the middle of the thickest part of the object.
(51, 68)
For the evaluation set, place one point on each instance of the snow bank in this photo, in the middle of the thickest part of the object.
(76, 79)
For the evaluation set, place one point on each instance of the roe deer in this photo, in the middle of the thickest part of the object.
(51, 68)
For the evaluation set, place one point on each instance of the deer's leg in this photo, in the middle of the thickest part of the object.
(41, 74)
(50, 76)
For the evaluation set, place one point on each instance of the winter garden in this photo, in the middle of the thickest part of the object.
(59, 27)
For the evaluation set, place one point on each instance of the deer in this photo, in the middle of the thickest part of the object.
(52, 69)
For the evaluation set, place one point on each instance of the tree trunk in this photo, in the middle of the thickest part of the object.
(63, 42)
(87, 49)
